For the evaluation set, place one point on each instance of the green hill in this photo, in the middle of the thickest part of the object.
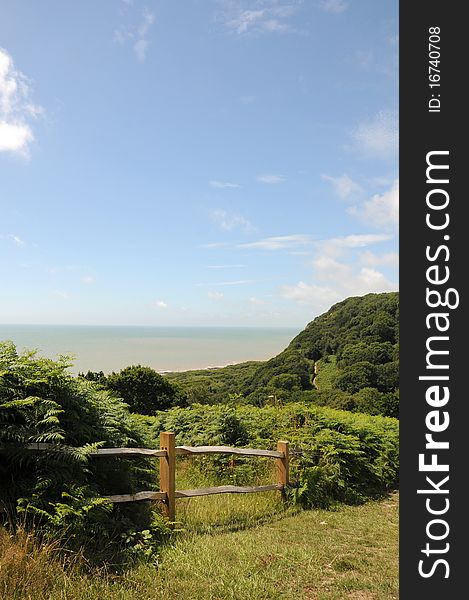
(355, 342)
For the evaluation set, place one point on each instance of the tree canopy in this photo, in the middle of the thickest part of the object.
(144, 390)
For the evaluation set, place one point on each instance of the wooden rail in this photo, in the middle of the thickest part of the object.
(227, 450)
(167, 455)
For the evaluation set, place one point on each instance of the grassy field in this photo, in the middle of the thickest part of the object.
(232, 548)
(327, 372)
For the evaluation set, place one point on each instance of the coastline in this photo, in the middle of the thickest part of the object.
(165, 349)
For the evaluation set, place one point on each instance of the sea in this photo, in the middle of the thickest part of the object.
(165, 349)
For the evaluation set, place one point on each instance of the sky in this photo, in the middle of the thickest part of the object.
(196, 162)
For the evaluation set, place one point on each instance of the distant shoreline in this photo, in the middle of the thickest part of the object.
(165, 349)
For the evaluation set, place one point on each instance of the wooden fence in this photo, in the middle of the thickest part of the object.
(167, 455)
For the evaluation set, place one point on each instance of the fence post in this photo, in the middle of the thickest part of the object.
(168, 473)
(283, 465)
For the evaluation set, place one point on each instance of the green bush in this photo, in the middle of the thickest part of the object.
(144, 390)
(341, 456)
(58, 489)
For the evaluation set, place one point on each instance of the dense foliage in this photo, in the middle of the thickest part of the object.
(351, 348)
(368, 319)
(58, 488)
(340, 456)
(144, 390)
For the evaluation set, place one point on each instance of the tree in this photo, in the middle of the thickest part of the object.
(286, 381)
(357, 376)
(144, 390)
(373, 352)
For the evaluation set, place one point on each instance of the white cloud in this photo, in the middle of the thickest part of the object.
(236, 282)
(137, 34)
(382, 210)
(256, 301)
(225, 266)
(243, 17)
(337, 271)
(271, 179)
(245, 20)
(335, 246)
(141, 45)
(15, 137)
(279, 242)
(16, 240)
(140, 49)
(230, 221)
(215, 245)
(333, 6)
(304, 293)
(16, 108)
(223, 184)
(379, 136)
(343, 185)
(371, 259)
(88, 280)
(216, 296)
(61, 294)
(341, 281)
(161, 304)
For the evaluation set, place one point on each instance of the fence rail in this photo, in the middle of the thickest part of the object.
(167, 455)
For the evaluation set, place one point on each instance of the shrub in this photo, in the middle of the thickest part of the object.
(57, 489)
(144, 390)
(344, 457)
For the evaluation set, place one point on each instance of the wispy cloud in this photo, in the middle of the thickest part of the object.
(382, 210)
(378, 137)
(15, 239)
(334, 247)
(279, 242)
(217, 296)
(225, 266)
(221, 185)
(337, 281)
(16, 109)
(256, 301)
(137, 34)
(337, 272)
(370, 259)
(229, 221)
(235, 282)
(88, 279)
(304, 293)
(215, 245)
(333, 6)
(161, 304)
(343, 186)
(61, 294)
(257, 17)
(271, 179)
(142, 43)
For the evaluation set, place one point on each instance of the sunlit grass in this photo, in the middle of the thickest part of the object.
(327, 373)
(350, 553)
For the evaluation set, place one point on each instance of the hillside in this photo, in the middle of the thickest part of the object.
(355, 341)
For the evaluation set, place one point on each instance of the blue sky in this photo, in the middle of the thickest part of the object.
(196, 162)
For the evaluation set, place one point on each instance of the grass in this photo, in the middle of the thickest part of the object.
(327, 372)
(233, 548)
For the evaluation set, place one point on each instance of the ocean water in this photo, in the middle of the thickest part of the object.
(110, 348)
